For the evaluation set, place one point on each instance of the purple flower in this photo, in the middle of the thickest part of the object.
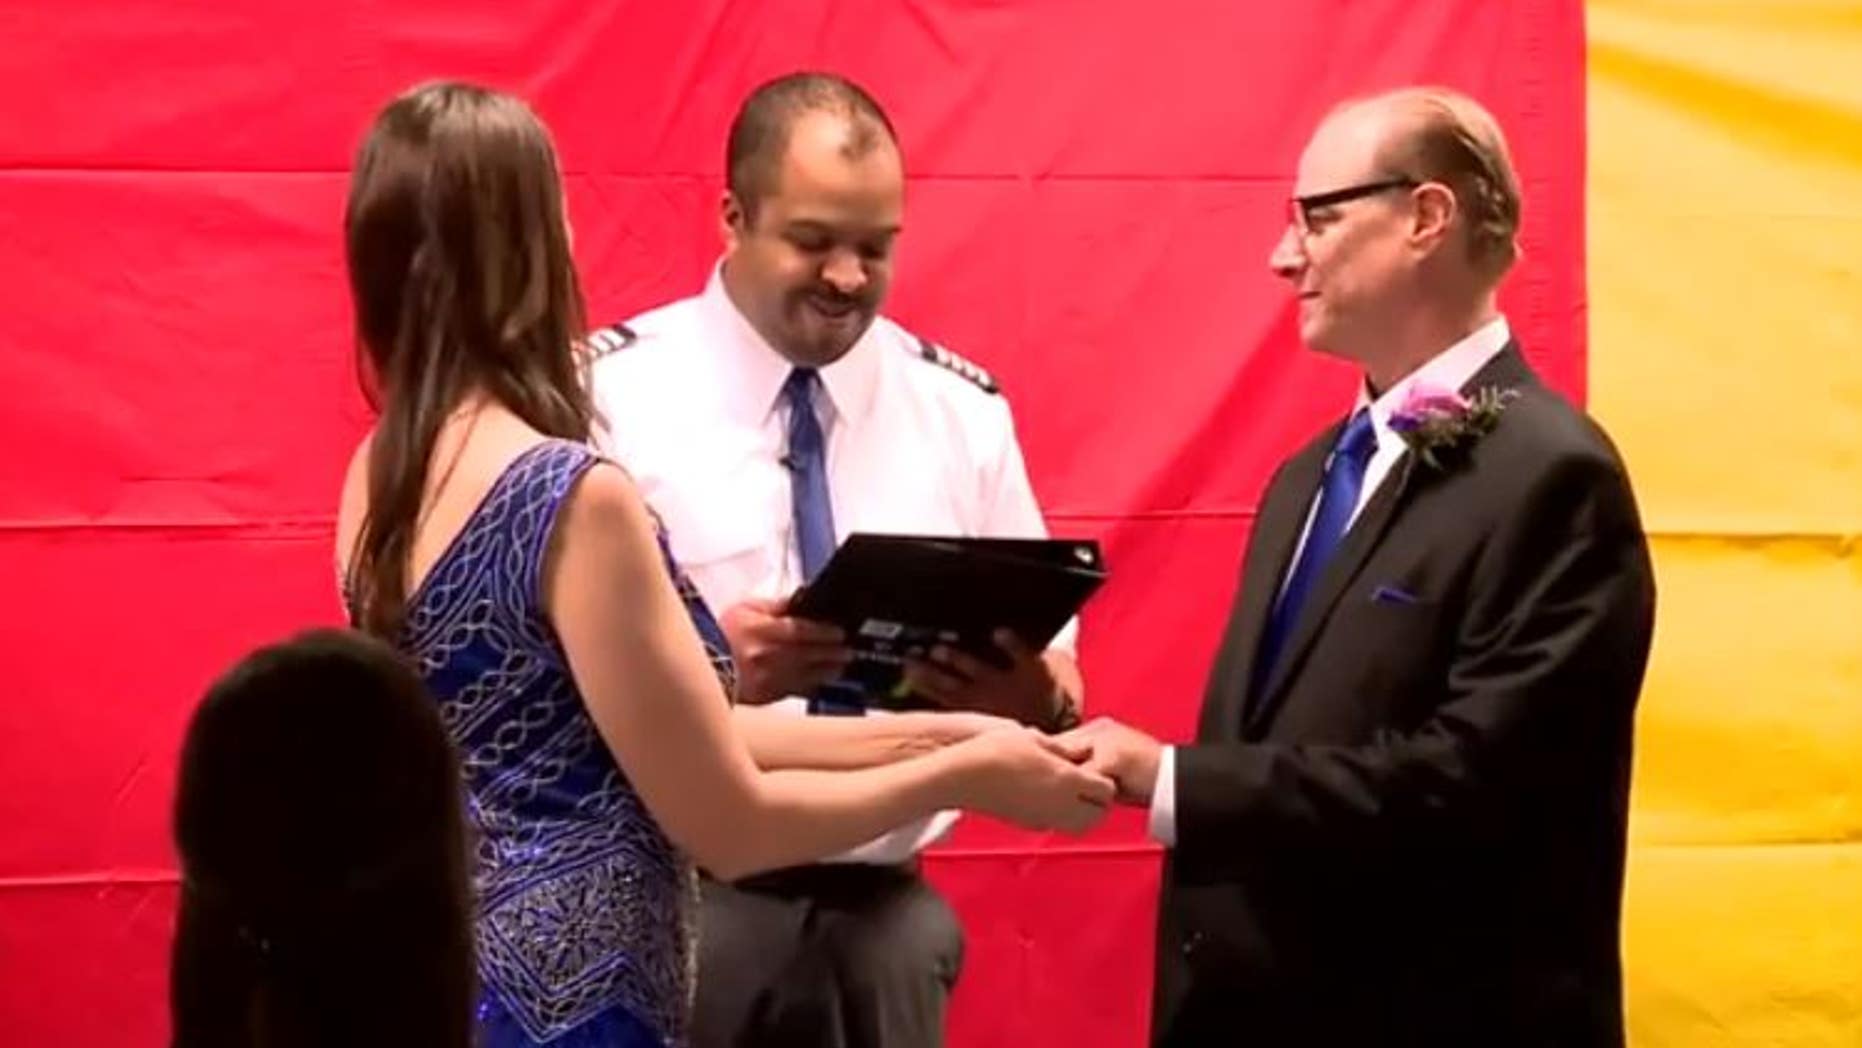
(1433, 419)
(1424, 404)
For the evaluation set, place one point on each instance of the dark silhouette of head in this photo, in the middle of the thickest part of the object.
(325, 893)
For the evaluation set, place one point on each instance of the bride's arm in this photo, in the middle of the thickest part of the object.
(780, 739)
(642, 672)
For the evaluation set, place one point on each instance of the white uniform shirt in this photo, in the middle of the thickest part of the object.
(916, 444)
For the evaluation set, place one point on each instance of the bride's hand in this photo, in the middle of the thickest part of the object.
(1034, 780)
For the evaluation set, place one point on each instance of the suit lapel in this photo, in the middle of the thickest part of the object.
(1508, 369)
(1276, 532)
(1365, 533)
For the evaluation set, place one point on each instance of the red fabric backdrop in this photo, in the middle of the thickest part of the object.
(1094, 189)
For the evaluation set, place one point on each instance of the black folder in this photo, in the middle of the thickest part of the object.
(896, 596)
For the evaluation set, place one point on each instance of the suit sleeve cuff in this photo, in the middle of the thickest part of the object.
(1163, 821)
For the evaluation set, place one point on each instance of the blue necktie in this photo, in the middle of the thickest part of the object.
(807, 460)
(1338, 497)
(812, 513)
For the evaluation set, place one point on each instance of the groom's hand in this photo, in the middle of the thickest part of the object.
(1124, 754)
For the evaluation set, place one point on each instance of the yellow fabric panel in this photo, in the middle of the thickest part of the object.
(1725, 281)
(1750, 726)
(1736, 947)
(1725, 260)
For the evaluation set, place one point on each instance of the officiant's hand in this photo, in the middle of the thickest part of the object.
(1029, 690)
(780, 655)
(1123, 753)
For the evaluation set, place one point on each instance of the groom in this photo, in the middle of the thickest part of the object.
(1402, 820)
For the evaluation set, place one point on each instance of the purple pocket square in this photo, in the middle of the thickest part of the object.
(1392, 595)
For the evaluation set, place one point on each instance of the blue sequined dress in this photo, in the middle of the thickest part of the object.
(585, 910)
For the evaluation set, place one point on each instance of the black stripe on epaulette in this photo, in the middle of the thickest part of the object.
(933, 353)
(611, 339)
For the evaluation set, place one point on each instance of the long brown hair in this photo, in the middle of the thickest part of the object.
(460, 272)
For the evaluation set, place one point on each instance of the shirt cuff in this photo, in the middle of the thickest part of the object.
(1163, 822)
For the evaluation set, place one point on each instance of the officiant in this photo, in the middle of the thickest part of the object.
(765, 419)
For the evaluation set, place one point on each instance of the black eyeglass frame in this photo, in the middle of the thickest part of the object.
(1299, 207)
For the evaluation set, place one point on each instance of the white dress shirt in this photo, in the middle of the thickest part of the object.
(694, 411)
(1449, 369)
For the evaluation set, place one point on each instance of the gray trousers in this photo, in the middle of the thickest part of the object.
(836, 956)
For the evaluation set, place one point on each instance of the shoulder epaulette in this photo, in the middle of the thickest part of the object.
(611, 339)
(933, 353)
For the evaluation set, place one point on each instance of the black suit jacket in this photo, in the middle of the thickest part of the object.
(1412, 832)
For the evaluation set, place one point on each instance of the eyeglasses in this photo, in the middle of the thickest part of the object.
(1300, 208)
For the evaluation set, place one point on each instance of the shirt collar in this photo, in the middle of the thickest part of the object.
(1449, 369)
(756, 371)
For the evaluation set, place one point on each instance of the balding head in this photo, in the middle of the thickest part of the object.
(1435, 134)
(760, 133)
(1405, 217)
(815, 201)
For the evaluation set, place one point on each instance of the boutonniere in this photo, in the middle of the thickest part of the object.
(1435, 421)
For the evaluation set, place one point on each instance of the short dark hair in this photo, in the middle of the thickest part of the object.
(760, 131)
(325, 873)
